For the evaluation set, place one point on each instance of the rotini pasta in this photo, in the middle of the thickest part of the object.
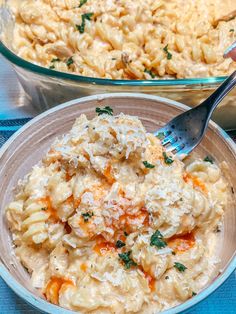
(111, 223)
(125, 39)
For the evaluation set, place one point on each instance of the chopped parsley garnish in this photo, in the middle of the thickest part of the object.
(119, 244)
(44, 208)
(148, 165)
(157, 240)
(125, 257)
(85, 16)
(168, 160)
(69, 61)
(52, 66)
(86, 216)
(193, 294)
(106, 110)
(160, 135)
(166, 277)
(82, 2)
(55, 60)
(231, 30)
(180, 267)
(150, 73)
(126, 234)
(168, 54)
(208, 159)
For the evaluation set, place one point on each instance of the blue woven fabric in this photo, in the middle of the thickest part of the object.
(8, 127)
(221, 301)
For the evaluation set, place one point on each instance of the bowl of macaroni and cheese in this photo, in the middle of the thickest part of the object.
(96, 216)
(88, 47)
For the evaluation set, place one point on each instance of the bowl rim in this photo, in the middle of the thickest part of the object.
(198, 83)
(47, 307)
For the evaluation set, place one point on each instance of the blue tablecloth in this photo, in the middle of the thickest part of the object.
(221, 301)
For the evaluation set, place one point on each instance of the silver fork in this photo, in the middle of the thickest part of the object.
(183, 133)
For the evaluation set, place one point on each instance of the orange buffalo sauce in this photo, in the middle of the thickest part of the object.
(145, 214)
(182, 243)
(102, 246)
(49, 208)
(108, 175)
(83, 267)
(73, 201)
(67, 227)
(120, 237)
(68, 177)
(54, 286)
(150, 279)
(196, 181)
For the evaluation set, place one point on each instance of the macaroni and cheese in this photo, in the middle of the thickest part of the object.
(125, 39)
(109, 222)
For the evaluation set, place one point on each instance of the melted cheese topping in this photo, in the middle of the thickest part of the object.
(101, 233)
(126, 39)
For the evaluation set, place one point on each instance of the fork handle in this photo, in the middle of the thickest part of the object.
(215, 98)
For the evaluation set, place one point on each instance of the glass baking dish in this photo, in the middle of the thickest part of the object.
(46, 88)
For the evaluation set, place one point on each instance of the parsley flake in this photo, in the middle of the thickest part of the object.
(150, 73)
(193, 294)
(160, 135)
(125, 257)
(168, 160)
(148, 165)
(82, 2)
(180, 267)
(69, 61)
(166, 277)
(44, 208)
(106, 110)
(168, 54)
(86, 216)
(55, 60)
(231, 30)
(208, 159)
(85, 16)
(157, 240)
(119, 244)
(126, 234)
(52, 66)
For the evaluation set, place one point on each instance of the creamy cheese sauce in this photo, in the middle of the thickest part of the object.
(126, 39)
(107, 224)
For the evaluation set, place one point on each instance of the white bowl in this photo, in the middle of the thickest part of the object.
(29, 144)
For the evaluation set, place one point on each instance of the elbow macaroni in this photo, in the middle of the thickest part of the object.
(101, 231)
(125, 39)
